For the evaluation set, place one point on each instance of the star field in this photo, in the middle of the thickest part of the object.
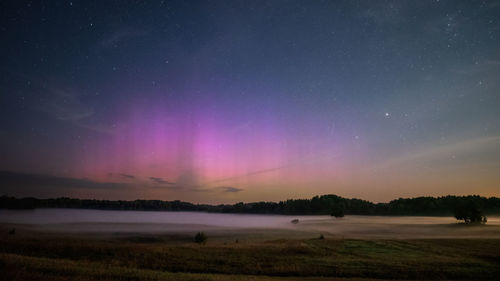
(226, 101)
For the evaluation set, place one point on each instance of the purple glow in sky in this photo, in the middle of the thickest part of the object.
(228, 101)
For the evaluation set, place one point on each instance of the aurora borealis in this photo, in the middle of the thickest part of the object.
(228, 101)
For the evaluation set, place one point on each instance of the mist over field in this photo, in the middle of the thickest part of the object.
(153, 222)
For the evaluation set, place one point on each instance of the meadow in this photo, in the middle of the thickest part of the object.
(245, 254)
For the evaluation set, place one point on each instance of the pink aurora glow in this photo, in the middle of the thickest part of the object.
(199, 148)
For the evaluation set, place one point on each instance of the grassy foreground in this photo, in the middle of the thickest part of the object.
(177, 258)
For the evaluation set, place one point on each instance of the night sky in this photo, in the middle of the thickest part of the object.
(227, 101)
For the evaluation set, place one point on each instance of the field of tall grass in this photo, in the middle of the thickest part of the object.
(54, 257)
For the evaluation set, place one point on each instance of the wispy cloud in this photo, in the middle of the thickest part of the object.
(199, 189)
(160, 181)
(35, 181)
(66, 105)
(252, 173)
(127, 176)
(226, 189)
(231, 189)
(434, 155)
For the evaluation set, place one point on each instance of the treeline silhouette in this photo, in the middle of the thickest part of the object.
(318, 205)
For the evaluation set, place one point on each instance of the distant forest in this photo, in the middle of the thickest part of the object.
(318, 205)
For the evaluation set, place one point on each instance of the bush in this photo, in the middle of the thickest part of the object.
(337, 212)
(469, 212)
(200, 238)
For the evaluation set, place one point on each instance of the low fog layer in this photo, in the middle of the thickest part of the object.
(99, 221)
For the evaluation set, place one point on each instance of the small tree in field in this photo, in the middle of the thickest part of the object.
(469, 212)
(337, 212)
(200, 238)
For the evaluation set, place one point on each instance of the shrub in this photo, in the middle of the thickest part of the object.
(469, 212)
(337, 212)
(200, 238)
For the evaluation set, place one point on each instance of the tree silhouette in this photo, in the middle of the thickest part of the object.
(337, 212)
(469, 212)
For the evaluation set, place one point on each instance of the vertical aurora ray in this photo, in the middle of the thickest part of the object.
(170, 144)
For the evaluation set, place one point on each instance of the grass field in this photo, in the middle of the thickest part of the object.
(176, 257)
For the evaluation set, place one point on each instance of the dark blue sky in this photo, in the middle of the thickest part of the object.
(250, 100)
